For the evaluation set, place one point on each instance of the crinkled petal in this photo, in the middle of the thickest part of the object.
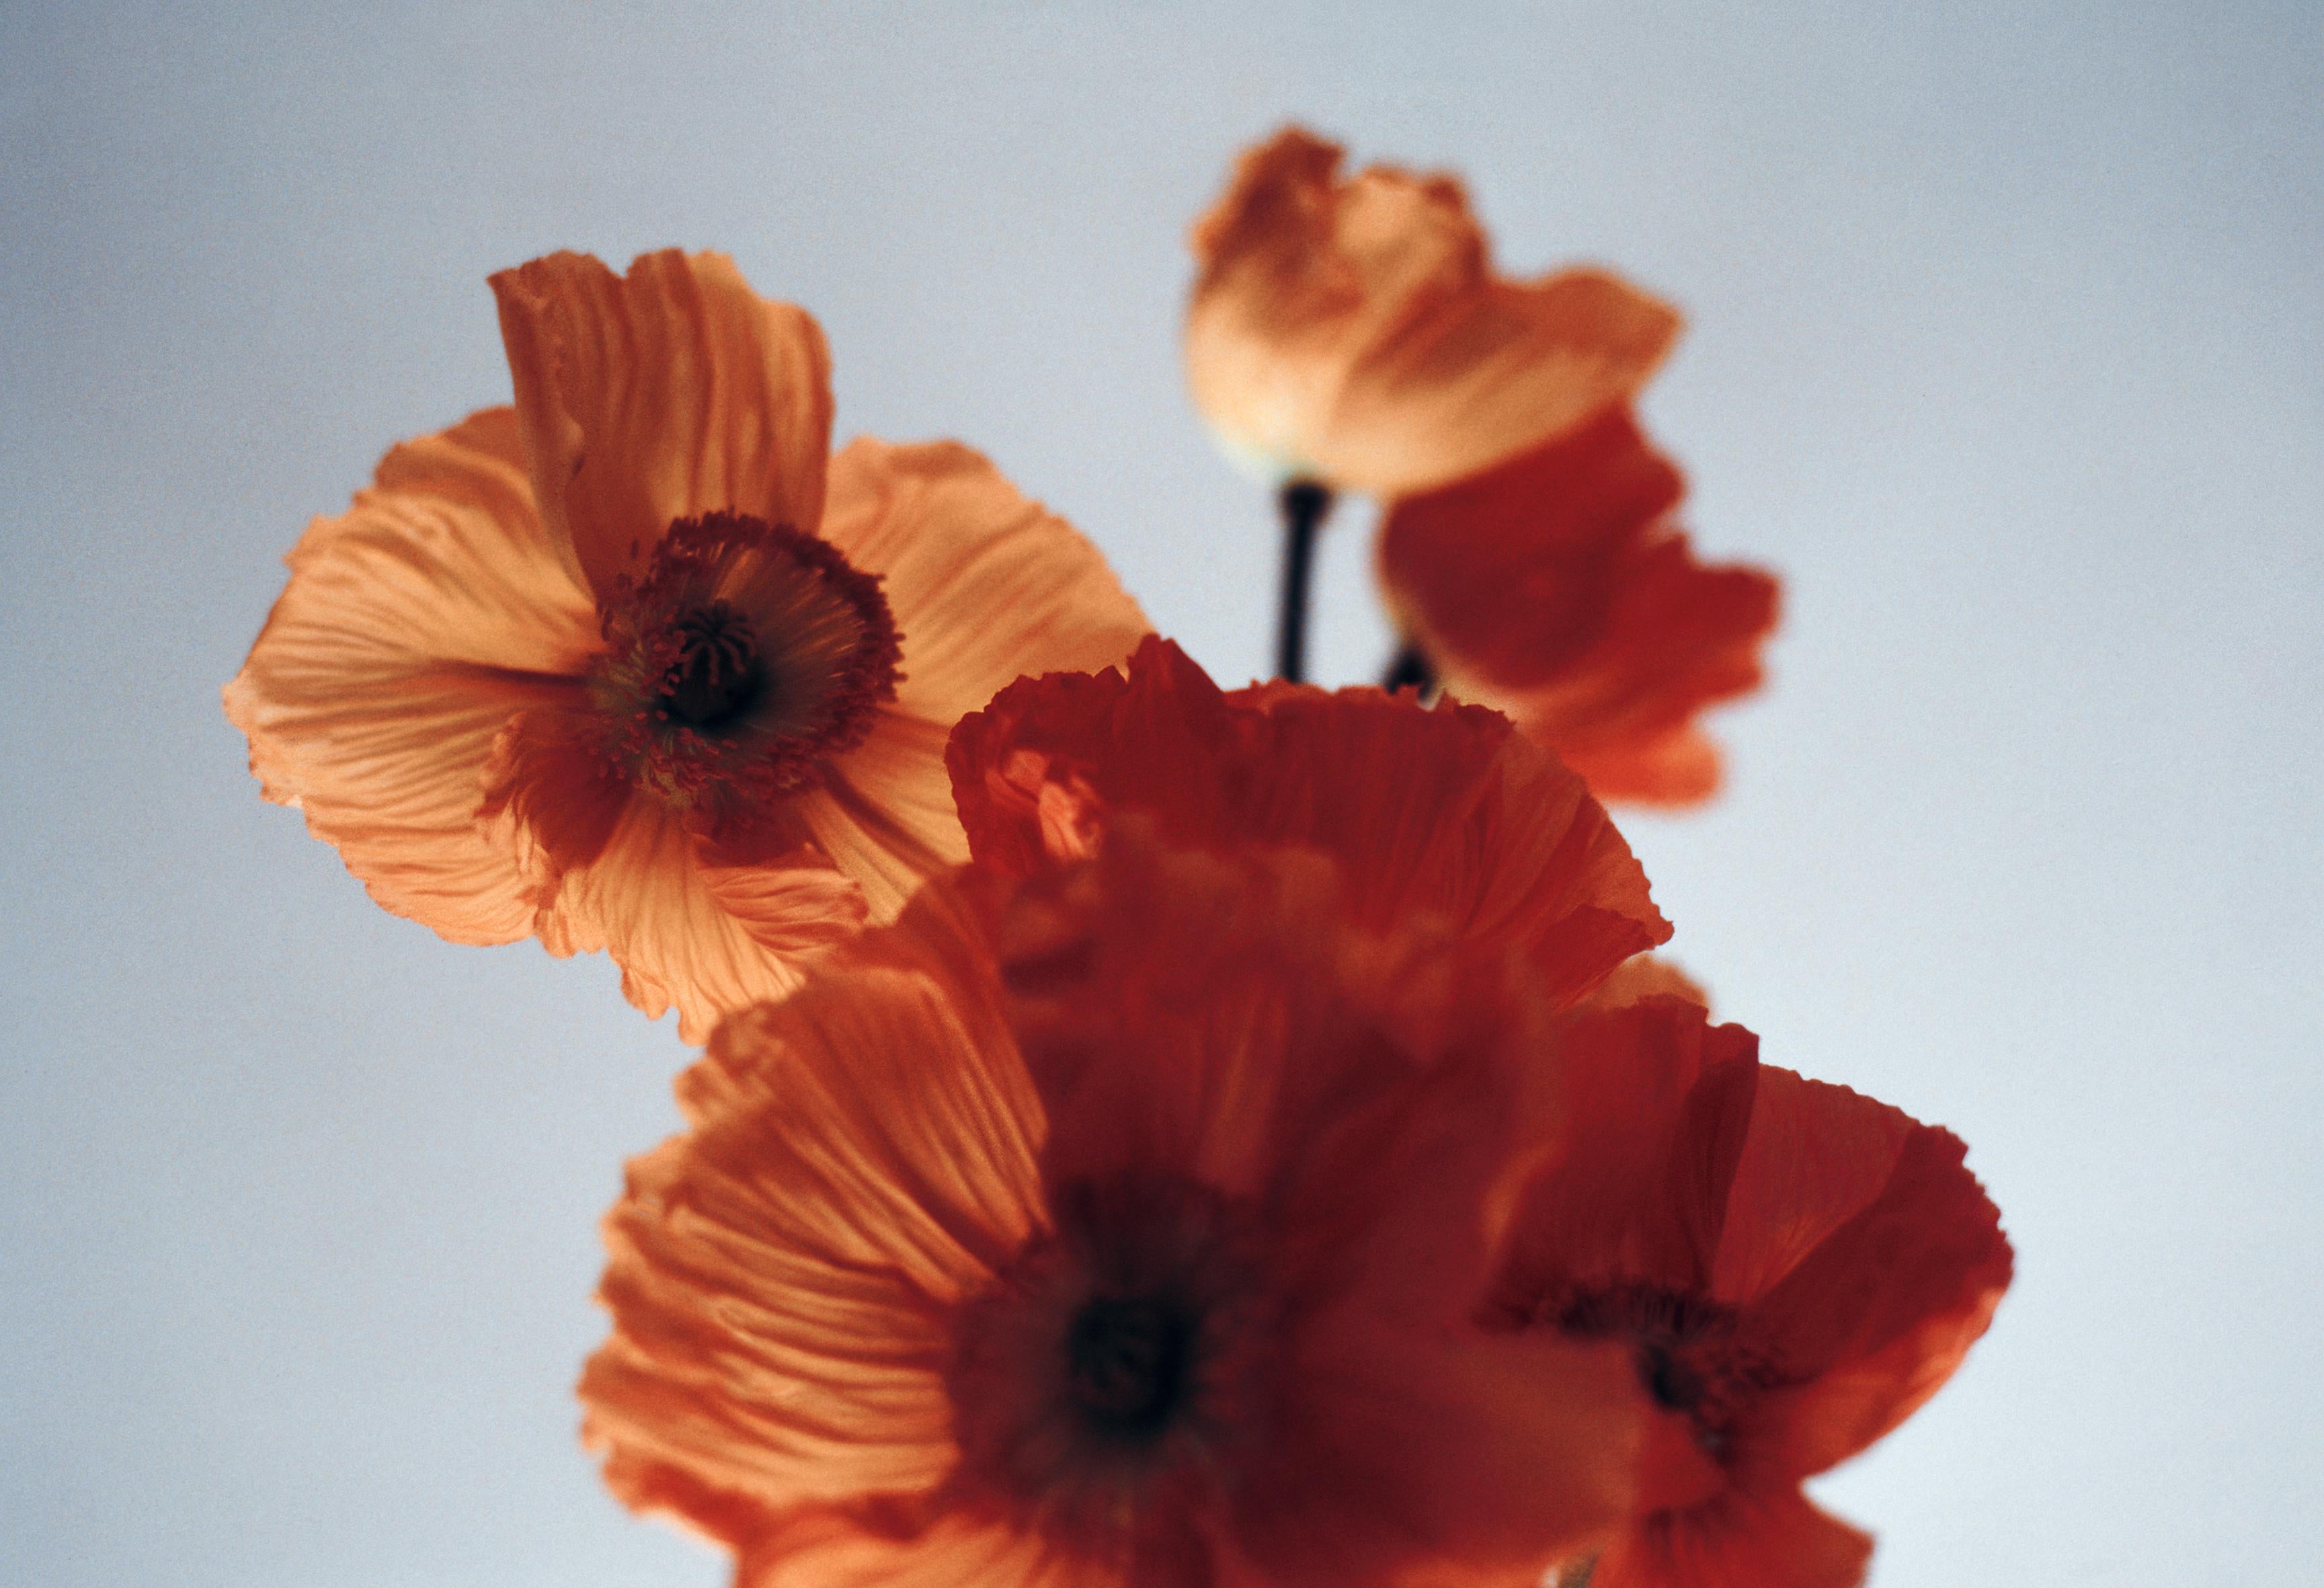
(1353, 329)
(1555, 588)
(667, 392)
(1874, 1316)
(782, 1277)
(986, 585)
(1446, 813)
(1186, 1013)
(414, 626)
(684, 927)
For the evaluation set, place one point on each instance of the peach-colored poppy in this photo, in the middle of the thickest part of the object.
(1556, 587)
(1123, 1225)
(1446, 813)
(621, 667)
(1794, 1267)
(1350, 330)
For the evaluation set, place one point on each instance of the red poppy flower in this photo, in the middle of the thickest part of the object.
(1794, 1266)
(1122, 1227)
(1556, 587)
(608, 667)
(1350, 330)
(1446, 813)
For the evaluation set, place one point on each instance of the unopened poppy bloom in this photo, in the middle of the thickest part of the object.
(635, 665)
(1794, 1267)
(1446, 813)
(1352, 330)
(1122, 1226)
(1558, 589)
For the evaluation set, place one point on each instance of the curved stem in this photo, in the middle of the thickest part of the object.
(1305, 505)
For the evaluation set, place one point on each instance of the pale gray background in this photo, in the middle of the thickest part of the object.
(2005, 350)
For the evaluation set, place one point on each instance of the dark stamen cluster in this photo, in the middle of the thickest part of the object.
(717, 676)
(1127, 1360)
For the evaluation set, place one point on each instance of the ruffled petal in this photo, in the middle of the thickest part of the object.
(1555, 588)
(782, 1277)
(670, 392)
(985, 586)
(1871, 1319)
(1353, 329)
(1741, 1540)
(413, 627)
(1446, 813)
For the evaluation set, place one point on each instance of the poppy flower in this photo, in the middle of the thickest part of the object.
(1794, 1266)
(635, 665)
(1350, 330)
(1122, 1225)
(1557, 589)
(1446, 813)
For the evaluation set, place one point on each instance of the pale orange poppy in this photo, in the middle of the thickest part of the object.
(1794, 1266)
(1557, 587)
(1446, 813)
(1123, 1225)
(1351, 332)
(636, 665)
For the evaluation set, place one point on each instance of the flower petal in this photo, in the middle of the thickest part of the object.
(985, 586)
(828, 1548)
(1552, 588)
(686, 926)
(1446, 813)
(1353, 329)
(413, 627)
(667, 392)
(884, 812)
(1742, 1541)
(1657, 1102)
(1872, 1319)
(1558, 592)
(781, 1276)
(1411, 1448)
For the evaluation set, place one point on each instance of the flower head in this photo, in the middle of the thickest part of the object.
(1446, 813)
(1352, 330)
(1555, 587)
(637, 664)
(1119, 1225)
(1794, 1268)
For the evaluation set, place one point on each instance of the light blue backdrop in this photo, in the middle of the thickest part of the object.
(2008, 334)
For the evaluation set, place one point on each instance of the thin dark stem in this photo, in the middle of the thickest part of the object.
(1409, 671)
(1305, 505)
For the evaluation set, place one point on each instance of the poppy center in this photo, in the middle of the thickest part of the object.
(1126, 1362)
(717, 676)
(740, 659)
